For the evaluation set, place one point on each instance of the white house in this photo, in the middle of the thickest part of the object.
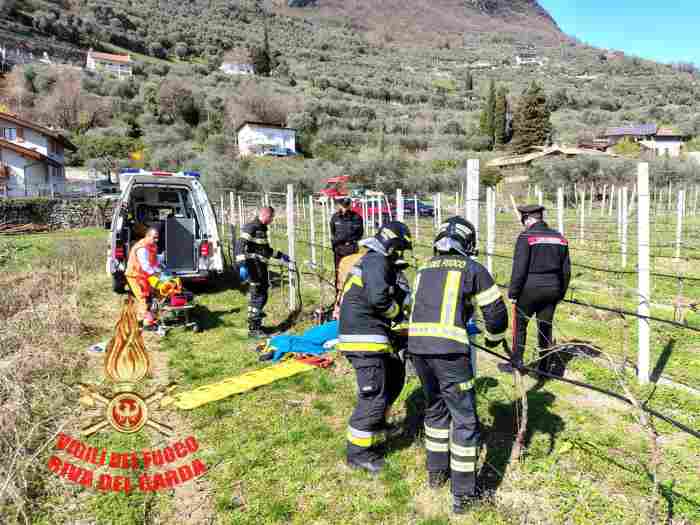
(259, 138)
(31, 158)
(659, 141)
(120, 65)
(526, 58)
(238, 62)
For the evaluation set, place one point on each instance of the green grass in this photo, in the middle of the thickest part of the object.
(279, 450)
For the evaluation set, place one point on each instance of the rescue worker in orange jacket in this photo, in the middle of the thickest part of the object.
(143, 263)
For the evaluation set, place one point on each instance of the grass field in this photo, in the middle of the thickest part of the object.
(276, 455)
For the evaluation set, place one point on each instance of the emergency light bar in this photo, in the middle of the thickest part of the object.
(139, 171)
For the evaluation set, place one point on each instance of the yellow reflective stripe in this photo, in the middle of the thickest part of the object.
(364, 439)
(364, 347)
(416, 284)
(353, 279)
(393, 311)
(462, 466)
(462, 451)
(437, 433)
(449, 298)
(467, 386)
(453, 333)
(488, 296)
(433, 446)
(497, 337)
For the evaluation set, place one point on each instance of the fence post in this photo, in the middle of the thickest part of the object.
(623, 209)
(602, 206)
(695, 202)
(312, 231)
(644, 282)
(365, 217)
(291, 234)
(415, 215)
(240, 211)
(491, 227)
(560, 209)
(612, 200)
(540, 197)
(438, 200)
(668, 205)
(679, 223)
(582, 217)
(619, 214)
(473, 195)
(590, 204)
(399, 205)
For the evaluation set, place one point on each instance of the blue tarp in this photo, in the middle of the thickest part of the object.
(310, 343)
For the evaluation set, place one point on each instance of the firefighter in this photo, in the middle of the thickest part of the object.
(371, 302)
(445, 293)
(144, 263)
(539, 280)
(347, 230)
(253, 253)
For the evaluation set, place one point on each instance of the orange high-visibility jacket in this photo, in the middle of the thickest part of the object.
(134, 268)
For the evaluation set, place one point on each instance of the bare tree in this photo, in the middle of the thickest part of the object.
(256, 102)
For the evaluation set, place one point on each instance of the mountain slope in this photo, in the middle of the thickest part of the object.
(412, 21)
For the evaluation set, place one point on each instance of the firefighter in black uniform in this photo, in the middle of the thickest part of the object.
(446, 291)
(347, 230)
(539, 280)
(254, 252)
(372, 301)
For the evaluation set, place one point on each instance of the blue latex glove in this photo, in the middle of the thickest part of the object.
(472, 328)
(243, 273)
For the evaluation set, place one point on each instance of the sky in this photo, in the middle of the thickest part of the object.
(666, 31)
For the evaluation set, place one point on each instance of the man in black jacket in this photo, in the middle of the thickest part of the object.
(446, 292)
(347, 230)
(253, 251)
(372, 301)
(539, 280)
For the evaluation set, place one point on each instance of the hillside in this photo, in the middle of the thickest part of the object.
(412, 22)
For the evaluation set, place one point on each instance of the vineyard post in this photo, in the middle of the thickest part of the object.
(602, 206)
(399, 205)
(231, 209)
(312, 231)
(473, 194)
(540, 197)
(582, 217)
(619, 214)
(644, 283)
(612, 200)
(491, 227)
(291, 237)
(240, 210)
(560, 209)
(695, 202)
(415, 215)
(624, 227)
(438, 207)
(679, 223)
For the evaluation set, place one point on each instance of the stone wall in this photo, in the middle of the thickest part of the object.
(57, 213)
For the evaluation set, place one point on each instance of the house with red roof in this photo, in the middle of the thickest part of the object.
(119, 65)
(32, 160)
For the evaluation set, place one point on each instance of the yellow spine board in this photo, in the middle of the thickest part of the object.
(239, 384)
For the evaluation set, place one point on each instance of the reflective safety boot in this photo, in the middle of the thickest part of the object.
(461, 504)
(438, 478)
(372, 465)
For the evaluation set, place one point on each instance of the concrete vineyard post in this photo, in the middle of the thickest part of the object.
(473, 195)
(291, 237)
(624, 227)
(644, 278)
(312, 230)
(399, 205)
(560, 210)
(491, 227)
(415, 215)
(679, 223)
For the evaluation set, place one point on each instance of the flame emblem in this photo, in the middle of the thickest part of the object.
(127, 360)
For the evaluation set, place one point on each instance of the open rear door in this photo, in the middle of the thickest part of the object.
(216, 259)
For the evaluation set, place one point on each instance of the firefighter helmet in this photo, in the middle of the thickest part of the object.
(456, 234)
(395, 237)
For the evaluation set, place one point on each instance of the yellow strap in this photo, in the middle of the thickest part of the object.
(239, 384)
(488, 296)
(353, 279)
(364, 347)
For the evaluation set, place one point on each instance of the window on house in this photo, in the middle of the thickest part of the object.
(9, 133)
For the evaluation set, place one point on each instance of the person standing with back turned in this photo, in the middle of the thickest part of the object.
(446, 292)
(539, 280)
(347, 230)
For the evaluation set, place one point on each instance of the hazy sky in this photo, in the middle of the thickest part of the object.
(667, 31)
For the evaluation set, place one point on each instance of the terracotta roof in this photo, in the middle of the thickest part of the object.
(668, 132)
(41, 129)
(26, 152)
(108, 57)
(515, 160)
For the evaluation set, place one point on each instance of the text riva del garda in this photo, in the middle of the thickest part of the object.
(145, 460)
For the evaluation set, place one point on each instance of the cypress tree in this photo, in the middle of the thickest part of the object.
(500, 118)
(486, 124)
(531, 125)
